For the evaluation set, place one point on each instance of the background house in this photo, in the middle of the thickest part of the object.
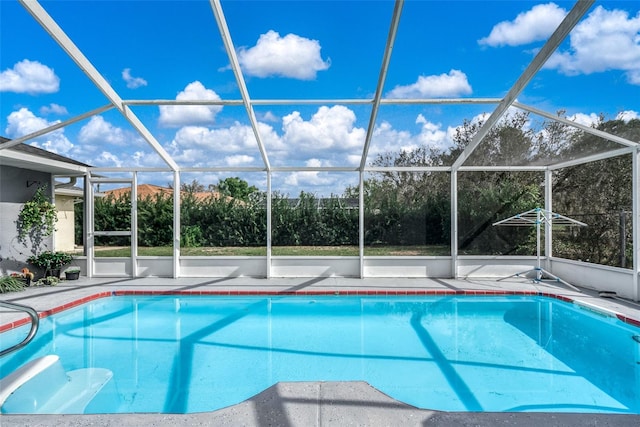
(24, 169)
(149, 190)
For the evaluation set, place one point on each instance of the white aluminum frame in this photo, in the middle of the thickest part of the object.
(502, 104)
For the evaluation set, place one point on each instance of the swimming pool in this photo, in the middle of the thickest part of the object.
(454, 353)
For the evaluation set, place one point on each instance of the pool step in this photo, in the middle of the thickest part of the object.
(42, 386)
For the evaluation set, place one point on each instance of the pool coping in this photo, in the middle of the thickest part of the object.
(426, 292)
(304, 404)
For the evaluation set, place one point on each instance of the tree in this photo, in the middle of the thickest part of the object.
(236, 188)
(193, 187)
(402, 205)
(597, 193)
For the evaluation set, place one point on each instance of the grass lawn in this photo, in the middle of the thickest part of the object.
(430, 250)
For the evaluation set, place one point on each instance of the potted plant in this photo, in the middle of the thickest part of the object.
(72, 273)
(47, 281)
(51, 262)
(26, 276)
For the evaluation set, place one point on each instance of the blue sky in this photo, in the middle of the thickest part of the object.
(168, 50)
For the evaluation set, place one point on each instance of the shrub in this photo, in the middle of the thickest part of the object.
(10, 284)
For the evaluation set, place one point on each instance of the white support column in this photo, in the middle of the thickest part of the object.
(454, 224)
(548, 206)
(361, 223)
(176, 224)
(269, 195)
(89, 223)
(134, 225)
(52, 198)
(635, 188)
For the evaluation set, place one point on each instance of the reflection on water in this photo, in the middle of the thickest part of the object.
(192, 354)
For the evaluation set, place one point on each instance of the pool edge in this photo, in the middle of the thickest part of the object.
(413, 292)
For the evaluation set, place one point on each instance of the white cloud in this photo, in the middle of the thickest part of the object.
(184, 115)
(106, 158)
(605, 40)
(132, 82)
(453, 84)
(530, 26)
(585, 119)
(55, 142)
(24, 122)
(310, 178)
(100, 132)
(627, 116)
(29, 77)
(330, 135)
(235, 138)
(431, 134)
(53, 109)
(386, 139)
(93, 138)
(239, 160)
(268, 117)
(289, 56)
(329, 128)
(199, 146)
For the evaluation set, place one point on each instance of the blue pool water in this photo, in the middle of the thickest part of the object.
(463, 353)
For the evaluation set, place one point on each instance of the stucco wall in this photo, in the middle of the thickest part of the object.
(16, 187)
(64, 235)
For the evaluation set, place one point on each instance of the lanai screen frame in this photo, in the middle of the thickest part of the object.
(502, 105)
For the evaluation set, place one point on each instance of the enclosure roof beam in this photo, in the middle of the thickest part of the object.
(577, 12)
(504, 168)
(315, 169)
(587, 129)
(395, 22)
(438, 101)
(449, 168)
(593, 158)
(54, 30)
(383, 101)
(407, 169)
(235, 66)
(146, 102)
(56, 126)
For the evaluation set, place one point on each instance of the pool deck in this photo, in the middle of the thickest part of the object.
(313, 403)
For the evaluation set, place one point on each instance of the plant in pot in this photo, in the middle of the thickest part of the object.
(51, 262)
(72, 273)
(26, 276)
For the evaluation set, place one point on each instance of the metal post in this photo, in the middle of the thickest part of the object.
(636, 222)
(454, 224)
(623, 239)
(538, 266)
(89, 223)
(269, 228)
(176, 224)
(134, 225)
(361, 222)
(548, 206)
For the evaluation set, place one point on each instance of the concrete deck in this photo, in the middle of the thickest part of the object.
(313, 403)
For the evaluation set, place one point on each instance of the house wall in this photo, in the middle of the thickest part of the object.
(64, 235)
(16, 187)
